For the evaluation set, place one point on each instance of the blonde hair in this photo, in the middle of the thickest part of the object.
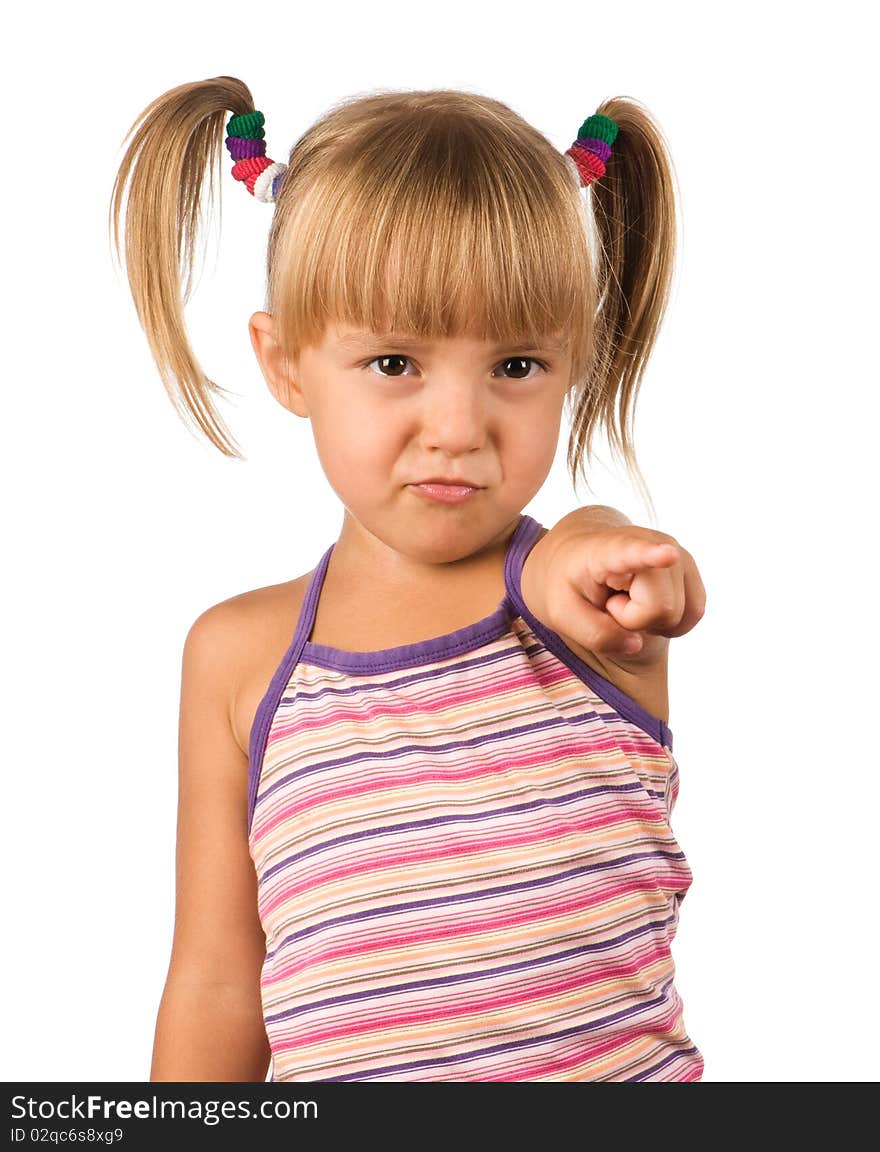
(434, 213)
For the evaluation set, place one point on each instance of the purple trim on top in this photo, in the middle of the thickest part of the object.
(516, 557)
(423, 651)
(627, 707)
(409, 655)
(266, 707)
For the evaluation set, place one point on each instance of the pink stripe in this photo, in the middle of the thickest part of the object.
(484, 1004)
(583, 1055)
(460, 929)
(389, 707)
(444, 851)
(364, 785)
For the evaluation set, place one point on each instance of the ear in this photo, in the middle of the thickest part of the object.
(277, 370)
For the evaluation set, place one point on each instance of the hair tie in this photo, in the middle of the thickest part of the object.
(244, 139)
(589, 153)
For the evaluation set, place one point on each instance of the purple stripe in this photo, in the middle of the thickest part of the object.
(531, 1042)
(692, 1051)
(451, 820)
(452, 746)
(477, 974)
(471, 897)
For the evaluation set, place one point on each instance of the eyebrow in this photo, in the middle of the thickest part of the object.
(414, 343)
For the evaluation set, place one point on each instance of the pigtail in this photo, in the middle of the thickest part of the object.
(634, 213)
(173, 143)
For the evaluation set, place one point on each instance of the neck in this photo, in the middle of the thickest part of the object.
(435, 565)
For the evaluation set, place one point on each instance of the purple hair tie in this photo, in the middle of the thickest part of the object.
(242, 149)
(598, 147)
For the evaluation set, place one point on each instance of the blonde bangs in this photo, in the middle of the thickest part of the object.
(445, 225)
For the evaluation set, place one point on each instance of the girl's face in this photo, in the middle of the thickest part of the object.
(388, 414)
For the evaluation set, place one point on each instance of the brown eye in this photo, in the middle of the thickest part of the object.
(390, 361)
(521, 365)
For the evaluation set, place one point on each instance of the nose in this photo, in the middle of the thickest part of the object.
(453, 416)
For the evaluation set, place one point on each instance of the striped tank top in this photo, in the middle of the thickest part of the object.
(465, 864)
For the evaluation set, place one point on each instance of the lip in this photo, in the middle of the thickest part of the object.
(445, 493)
(449, 481)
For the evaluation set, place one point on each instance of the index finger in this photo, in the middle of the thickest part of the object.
(623, 557)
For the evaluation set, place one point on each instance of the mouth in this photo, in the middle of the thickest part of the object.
(447, 491)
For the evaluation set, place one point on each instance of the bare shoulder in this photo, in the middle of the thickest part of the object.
(245, 638)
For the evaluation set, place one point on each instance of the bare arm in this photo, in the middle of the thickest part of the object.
(210, 1024)
(595, 516)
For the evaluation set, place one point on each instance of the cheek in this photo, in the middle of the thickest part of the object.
(353, 438)
(532, 439)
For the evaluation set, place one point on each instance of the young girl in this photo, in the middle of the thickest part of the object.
(425, 788)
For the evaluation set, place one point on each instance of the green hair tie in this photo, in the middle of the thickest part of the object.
(599, 127)
(248, 127)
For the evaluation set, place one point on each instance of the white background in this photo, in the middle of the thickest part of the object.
(756, 431)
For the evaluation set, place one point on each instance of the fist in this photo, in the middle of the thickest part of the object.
(620, 592)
